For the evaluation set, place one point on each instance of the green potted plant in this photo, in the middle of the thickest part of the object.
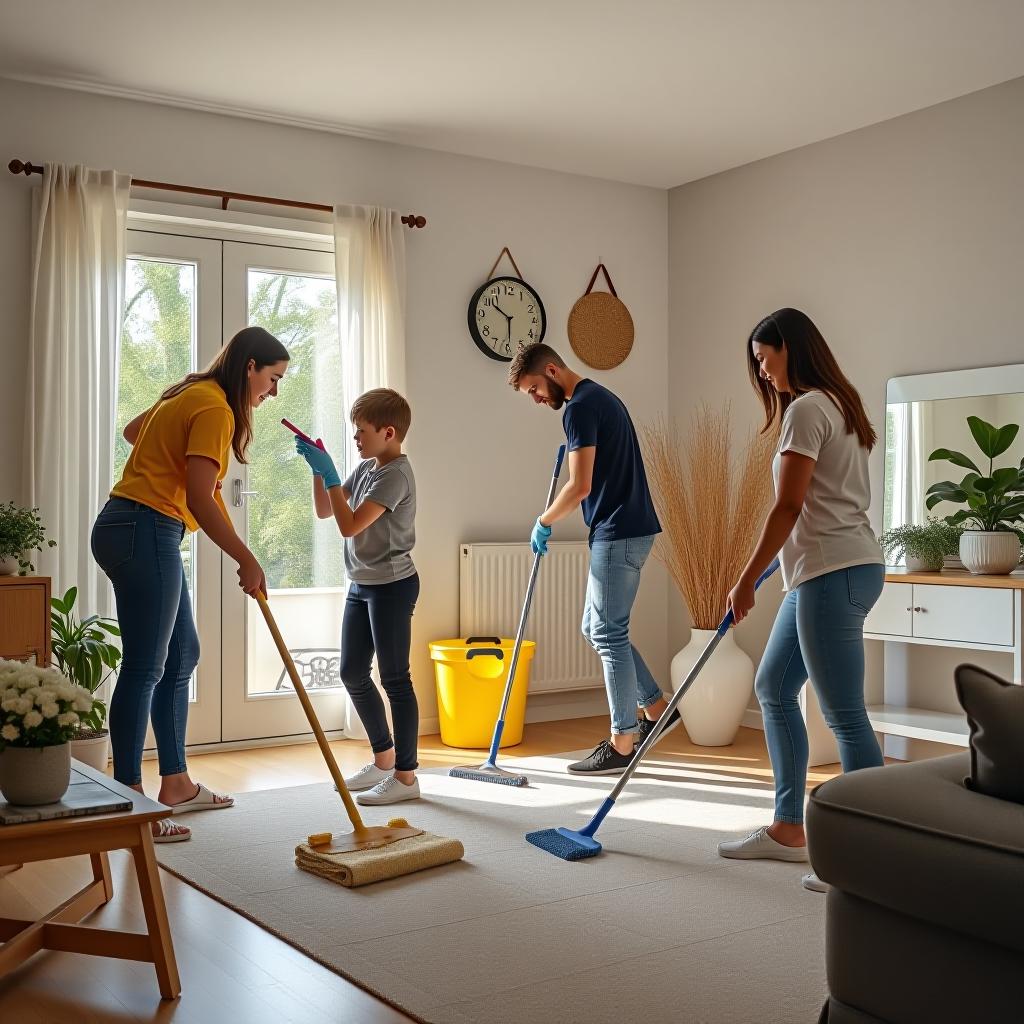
(86, 655)
(991, 541)
(923, 545)
(40, 711)
(21, 532)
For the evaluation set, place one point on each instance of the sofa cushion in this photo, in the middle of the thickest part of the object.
(913, 838)
(995, 713)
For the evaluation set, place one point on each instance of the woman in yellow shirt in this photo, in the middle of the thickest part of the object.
(171, 483)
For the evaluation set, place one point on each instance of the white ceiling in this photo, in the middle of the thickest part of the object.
(656, 92)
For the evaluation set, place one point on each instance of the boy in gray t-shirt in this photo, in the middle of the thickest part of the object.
(375, 509)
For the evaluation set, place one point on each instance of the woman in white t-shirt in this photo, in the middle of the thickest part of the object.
(832, 568)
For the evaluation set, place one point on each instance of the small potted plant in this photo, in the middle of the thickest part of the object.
(40, 710)
(923, 545)
(86, 656)
(991, 541)
(21, 532)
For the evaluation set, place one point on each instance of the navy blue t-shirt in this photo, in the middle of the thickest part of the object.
(619, 504)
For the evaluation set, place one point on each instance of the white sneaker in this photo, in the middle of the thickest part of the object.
(814, 883)
(390, 791)
(760, 846)
(366, 778)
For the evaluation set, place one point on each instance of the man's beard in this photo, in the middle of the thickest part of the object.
(556, 395)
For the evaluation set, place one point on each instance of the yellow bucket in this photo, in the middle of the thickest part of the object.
(471, 676)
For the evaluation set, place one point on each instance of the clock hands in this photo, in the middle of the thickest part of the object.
(508, 320)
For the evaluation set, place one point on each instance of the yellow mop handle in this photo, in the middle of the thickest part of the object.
(307, 706)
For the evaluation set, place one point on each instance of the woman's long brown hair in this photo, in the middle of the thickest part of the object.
(230, 371)
(810, 366)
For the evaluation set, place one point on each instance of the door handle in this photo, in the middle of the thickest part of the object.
(237, 493)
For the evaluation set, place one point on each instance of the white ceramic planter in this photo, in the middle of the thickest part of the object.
(986, 553)
(9, 566)
(94, 751)
(713, 708)
(35, 775)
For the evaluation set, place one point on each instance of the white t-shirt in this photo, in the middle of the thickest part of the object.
(833, 531)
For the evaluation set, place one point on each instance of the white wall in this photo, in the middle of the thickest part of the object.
(904, 241)
(482, 453)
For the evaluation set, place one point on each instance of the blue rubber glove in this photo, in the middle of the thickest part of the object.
(320, 462)
(539, 538)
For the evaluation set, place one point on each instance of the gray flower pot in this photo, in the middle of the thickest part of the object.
(35, 775)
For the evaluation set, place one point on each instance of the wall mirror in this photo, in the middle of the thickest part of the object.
(928, 411)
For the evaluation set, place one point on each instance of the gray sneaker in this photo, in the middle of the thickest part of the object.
(760, 846)
(390, 791)
(366, 778)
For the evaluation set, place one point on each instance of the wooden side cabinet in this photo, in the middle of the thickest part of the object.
(25, 618)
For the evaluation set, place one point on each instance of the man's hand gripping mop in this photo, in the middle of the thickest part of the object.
(572, 845)
(367, 853)
(489, 771)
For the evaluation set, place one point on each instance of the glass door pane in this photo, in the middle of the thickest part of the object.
(171, 325)
(291, 293)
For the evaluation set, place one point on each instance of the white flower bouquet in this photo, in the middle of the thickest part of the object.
(41, 708)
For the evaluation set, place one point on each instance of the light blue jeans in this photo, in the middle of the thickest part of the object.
(611, 590)
(819, 631)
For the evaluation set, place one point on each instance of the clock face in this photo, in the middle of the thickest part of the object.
(503, 313)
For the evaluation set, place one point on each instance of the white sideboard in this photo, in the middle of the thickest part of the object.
(945, 609)
(948, 609)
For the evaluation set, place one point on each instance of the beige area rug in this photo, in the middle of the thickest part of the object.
(657, 928)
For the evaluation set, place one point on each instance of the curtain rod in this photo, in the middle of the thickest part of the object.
(411, 220)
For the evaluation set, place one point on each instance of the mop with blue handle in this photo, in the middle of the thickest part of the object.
(572, 845)
(489, 771)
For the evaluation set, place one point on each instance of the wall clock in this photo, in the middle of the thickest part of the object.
(504, 313)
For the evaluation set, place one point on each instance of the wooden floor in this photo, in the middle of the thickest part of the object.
(232, 970)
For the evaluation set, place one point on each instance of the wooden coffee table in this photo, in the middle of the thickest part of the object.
(94, 835)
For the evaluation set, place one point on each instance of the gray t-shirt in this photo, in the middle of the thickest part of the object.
(381, 553)
(833, 531)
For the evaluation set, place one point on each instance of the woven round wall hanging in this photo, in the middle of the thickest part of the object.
(600, 327)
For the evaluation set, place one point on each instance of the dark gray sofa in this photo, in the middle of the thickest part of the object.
(925, 918)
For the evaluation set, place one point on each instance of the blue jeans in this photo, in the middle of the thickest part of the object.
(378, 620)
(611, 590)
(819, 631)
(138, 548)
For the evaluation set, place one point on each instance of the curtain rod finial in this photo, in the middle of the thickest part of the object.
(415, 220)
(17, 167)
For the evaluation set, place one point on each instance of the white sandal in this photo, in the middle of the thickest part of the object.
(204, 800)
(168, 831)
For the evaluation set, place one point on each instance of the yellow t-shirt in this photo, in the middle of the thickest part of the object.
(198, 421)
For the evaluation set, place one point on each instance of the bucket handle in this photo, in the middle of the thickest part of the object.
(496, 651)
(483, 640)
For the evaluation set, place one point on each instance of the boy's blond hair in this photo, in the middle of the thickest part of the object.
(382, 408)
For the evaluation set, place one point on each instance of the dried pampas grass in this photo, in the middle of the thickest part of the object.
(711, 506)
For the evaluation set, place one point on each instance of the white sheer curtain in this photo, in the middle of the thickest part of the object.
(77, 295)
(369, 260)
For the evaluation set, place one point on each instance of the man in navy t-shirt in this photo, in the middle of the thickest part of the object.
(606, 477)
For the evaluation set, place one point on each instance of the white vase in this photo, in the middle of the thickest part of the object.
(990, 553)
(9, 565)
(35, 775)
(713, 708)
(94, 751)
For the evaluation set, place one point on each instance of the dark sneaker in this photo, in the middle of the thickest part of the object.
(646, 726)
(605, 760)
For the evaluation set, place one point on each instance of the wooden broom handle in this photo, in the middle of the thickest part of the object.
(314, 722)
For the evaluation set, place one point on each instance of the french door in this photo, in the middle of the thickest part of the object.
(185, 297)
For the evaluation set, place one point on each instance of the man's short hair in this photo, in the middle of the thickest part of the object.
(531, 359)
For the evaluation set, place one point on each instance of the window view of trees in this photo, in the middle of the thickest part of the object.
(158, 348)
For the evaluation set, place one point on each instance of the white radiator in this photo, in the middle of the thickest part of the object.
(492, 587)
